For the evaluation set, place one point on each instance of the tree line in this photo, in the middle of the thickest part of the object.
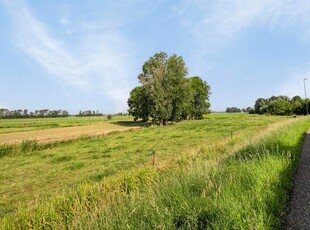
(166, 94)
(25, 113)
(238, 110)
(281, 105)
(88, 113)
(46, 113)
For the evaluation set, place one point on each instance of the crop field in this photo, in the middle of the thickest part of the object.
(222, 172)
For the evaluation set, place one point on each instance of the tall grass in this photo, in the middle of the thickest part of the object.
(23, 147)
(244, 189)
(46, 172)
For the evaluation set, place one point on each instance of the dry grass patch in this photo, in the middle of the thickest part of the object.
(59, 134)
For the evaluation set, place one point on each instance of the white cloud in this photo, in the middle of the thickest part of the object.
(218, 23)
(97, 61)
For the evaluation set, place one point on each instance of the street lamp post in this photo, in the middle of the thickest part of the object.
(306, 95)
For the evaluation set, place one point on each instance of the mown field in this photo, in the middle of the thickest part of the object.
(223, 172)
(47, 130)
(32, 124)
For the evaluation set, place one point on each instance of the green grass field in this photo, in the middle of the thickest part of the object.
(223, 172)
(31, 124)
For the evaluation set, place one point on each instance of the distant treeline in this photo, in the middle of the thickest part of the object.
(88, 113)
(275, 105)
(281, 105)
(238, 110)
(25, 113)
(45, 113)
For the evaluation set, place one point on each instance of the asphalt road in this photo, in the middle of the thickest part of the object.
(298, 210)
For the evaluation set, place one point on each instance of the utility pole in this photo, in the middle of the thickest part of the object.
(306, 95)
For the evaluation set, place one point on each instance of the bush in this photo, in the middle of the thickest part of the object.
(109, 117)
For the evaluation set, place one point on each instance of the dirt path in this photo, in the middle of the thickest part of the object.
(57, 134)
(298, 210)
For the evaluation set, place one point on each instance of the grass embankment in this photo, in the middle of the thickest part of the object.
(210, 185)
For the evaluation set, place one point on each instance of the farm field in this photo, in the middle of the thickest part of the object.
(32, 124)
(14, 131)
(31, 178)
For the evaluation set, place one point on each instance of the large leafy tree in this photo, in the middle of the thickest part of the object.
(166, 94)
(164, 80)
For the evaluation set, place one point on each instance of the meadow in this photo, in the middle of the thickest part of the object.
(31, 124)
(222, 172)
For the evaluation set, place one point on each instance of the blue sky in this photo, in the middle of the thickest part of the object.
(79, 55)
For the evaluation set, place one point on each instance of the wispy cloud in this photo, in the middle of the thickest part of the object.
(97, 61)
(215, 25)
(220, 22)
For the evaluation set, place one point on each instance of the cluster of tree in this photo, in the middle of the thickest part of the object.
(233, 110)
(24, 113)
(166, 94)
(88, 113)
(238, 110)
(281, 105)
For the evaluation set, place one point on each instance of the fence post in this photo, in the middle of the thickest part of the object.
(153, 157)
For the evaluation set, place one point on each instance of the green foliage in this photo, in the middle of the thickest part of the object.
(166, 94)
(233, 110)
(20, 113)
(109, 117)
(281, 105)
(139, 104)
(199, 98)
(260, 106)
(89, 113)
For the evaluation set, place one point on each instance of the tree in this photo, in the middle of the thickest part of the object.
(298, 105)
(249, 110)
(166, 94)
(233, 110)
(260, 105)
(163, 78)
(139, 104)
(199, 97)
(279, 107)
(176, 82)
(25, 113)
